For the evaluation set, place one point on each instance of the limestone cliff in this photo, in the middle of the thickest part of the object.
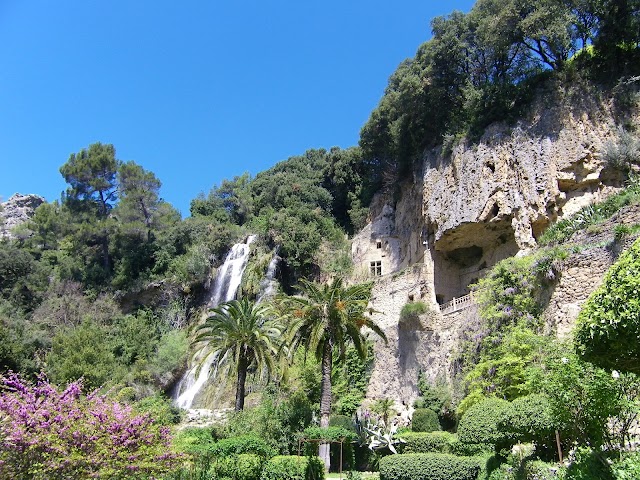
(466, 210)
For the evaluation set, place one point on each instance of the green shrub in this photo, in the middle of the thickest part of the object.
(331, 434)
(589, 465)
(245, 466)
(194, 441)
(480, 423)
(160, 408)
(427, 442)
(624, 152)
(412, 310)
(608, 326)
(503, 472)
(424, 420)
(470, 449)
(242, 444)
(490, 463)
(436, 396)
(292, 467)
(528, 419)
(428, 466)
(628, 468)
(540, 470)
(342, 421)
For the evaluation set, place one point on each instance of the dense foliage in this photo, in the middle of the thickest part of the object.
(424, 420)
(244, 466)
(505, 349)
(293, 468)
(302, 205)
(428, 466)
(427, 442)
(608, 327)
(483, 66)
(480, 424)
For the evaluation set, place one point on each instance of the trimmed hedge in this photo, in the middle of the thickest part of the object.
(293, 467)
(245, 466)
(424, 420)
(427, 442)
(470, 449)
(428, 466)
(242, 444)
(480, 423)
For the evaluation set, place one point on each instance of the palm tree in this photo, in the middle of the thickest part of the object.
(245, 333)
(327, 317)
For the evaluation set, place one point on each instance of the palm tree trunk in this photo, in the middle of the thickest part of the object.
(240, 383)
(325, 400)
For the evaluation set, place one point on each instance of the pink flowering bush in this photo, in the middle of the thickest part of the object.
(49, 434)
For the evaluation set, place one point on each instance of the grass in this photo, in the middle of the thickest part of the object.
(412, 310)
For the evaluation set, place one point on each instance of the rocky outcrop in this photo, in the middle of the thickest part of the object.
(16, 211)
(584, 270)
(466, 210)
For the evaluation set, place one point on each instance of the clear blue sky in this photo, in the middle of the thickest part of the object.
(195, 91)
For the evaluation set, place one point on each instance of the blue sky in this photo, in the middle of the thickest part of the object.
(195, 91)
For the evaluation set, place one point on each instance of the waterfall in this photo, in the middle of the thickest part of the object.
(269, 282)
(224, 288)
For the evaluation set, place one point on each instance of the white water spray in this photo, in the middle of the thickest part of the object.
(224, 289)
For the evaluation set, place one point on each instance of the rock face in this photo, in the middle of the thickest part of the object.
(467, 210)
(17, 210)
(584, 270)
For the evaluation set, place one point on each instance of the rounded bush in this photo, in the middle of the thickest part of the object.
(427, 442)
(292, 467)
(424, 420)
(245, 466)
(528, 419)
(480, 423)
(428, 466)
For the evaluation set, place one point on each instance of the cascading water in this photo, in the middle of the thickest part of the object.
(268, 284)
(224, 288)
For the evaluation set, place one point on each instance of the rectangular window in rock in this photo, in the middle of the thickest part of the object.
(376, 268)
(378, 244)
